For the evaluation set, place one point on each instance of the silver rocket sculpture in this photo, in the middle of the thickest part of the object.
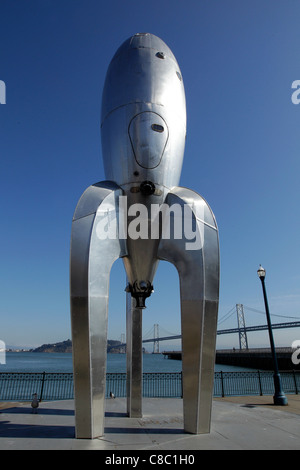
(141, 215)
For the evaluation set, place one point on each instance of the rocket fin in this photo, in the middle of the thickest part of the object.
(198, 268)
(91, 260)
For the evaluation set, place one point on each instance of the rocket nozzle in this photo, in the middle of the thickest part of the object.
(147, 188)
(140, 291)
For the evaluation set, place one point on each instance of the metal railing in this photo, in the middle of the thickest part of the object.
(19, 386)
(254, 383)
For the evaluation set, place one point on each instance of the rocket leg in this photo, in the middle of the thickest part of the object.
(199, 291)
(91, 258)
(134, 358)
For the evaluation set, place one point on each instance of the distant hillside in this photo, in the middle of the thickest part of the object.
(63, 347)
(66, 347)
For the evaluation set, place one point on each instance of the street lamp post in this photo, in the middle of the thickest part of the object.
(279, 397)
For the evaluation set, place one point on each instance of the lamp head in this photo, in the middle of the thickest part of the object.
(261, 272)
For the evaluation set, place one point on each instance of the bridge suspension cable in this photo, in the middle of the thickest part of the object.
(164, 332)
(156, 333)
(227, 315)
(272, 314)
(149, 333)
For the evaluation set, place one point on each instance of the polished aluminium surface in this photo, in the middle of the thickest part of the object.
(91, 261)
(199, 287)
(143, 130)
(143, 136)
(143, 86)
(134, 359)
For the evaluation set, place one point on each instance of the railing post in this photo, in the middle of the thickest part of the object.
(259, 381)
(222, 385)
(295, 380)
(42, 388)
(181, 386)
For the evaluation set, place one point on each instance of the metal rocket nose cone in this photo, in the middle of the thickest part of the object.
(143, 117)
(151, 41)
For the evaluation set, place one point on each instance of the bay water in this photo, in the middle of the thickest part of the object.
(62, 362)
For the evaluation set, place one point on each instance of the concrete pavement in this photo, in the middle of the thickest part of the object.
(248, 423)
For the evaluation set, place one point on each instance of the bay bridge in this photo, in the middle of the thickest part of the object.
(154, 334)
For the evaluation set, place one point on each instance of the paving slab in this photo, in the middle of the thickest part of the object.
(241, 423)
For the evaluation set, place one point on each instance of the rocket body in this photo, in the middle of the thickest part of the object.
(143, 123)
(143, 130)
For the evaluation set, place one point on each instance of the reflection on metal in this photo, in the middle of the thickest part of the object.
(143, 130)
(91, 261)
(199, 285)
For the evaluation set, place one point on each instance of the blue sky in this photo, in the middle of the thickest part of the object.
(238, 61)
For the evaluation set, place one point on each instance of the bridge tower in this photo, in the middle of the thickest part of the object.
(123, 340)
(241, 326)
(156, 340)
